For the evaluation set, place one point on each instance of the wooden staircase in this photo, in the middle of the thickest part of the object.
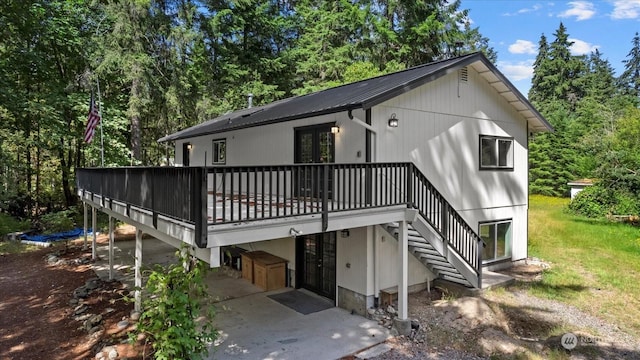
(440, 260)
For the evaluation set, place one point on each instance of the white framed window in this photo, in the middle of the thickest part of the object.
(219, 152)
(497, 240)
(496, 153)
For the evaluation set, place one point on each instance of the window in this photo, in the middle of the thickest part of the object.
(496, 152)
(219, 151)
(497, 238)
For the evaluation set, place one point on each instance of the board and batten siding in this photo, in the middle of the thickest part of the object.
(439, 130)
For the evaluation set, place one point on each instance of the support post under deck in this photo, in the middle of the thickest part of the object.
(94, 240)
(111, 247)
(138, 273)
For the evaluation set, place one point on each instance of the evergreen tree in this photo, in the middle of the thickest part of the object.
(629, 81)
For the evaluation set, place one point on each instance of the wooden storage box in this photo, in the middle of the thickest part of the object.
(247, 265)
(269, 271)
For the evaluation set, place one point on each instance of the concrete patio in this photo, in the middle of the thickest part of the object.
(252, 325)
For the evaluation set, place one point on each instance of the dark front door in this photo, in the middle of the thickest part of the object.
(186, 154)
(313, 145)
(316, 260)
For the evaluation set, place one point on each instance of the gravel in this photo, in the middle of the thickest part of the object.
(509, 323)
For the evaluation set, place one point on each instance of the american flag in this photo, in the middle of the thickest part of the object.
(93, 121)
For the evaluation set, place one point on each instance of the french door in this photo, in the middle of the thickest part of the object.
(316, 261)
(313, 145)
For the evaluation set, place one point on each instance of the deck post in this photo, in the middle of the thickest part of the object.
(85, 221)
(402, 322)
(111, 247)
(94, 217)
(403, 276)
(137, 306)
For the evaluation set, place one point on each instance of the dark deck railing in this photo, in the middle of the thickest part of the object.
(225, 194)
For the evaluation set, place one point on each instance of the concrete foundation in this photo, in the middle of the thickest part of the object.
(403, 326)
(353, 301)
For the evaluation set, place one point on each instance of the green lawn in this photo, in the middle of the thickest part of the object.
(595, 264)
(9, 225)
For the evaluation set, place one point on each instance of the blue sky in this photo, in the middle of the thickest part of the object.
(514, 29)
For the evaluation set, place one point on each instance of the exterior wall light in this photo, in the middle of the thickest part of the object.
(393, 121)
(335, 129)
(189, 146)
(344, 233)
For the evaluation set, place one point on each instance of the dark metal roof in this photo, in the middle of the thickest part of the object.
(358, 95)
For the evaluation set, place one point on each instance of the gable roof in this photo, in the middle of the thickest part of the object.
(365, 94)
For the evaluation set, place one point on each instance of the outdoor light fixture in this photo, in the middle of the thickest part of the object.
(335, 129)
(189, 146)
(393, 121)
(344, 233)
(293, 232)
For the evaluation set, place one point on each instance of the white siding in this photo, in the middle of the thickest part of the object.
(439, 128)
(274, 144)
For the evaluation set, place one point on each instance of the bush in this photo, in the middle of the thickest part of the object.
(597, 201)
(9, 224)
(58, 221)
(171, 308)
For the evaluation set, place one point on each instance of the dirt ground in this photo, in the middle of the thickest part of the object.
(41, 317)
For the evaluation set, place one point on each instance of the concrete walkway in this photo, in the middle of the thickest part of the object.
(251, 325)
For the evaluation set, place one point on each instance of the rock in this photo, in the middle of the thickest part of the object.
(80, 309)
(92, 284)
(391, 310)
(113, 354)
(52, 259)
(99, 356)
(135, 315)
(73, 302)
(123, 324)
(371, 311)
(92, 321)
(80, 293)
(415, 324)
(95, 329)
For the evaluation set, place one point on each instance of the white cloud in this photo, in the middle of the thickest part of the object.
(534, 8)
(582, 10)
(626, 9)
(523, 47)
(580, 47)
(516, 71)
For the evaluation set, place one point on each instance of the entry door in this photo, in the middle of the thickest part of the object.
(313, 145)
(317, 262)
(186, 154)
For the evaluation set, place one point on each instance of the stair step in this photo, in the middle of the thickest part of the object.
(443, 267)
(456, 280)
(426, 252)
(434, 258)
(422, 245)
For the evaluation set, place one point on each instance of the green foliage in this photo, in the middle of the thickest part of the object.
(58, 221)
(172, 308)
(598, 201)
(9, 224)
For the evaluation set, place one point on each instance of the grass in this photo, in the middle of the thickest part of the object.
(595, 263)
(9, 225)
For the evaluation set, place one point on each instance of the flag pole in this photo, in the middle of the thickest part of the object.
(101, 120)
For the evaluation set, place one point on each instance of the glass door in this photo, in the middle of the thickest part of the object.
(313, 145)
(317, 258)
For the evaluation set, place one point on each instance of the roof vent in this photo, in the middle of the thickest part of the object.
(463, 75)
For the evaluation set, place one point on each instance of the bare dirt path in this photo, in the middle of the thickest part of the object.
(43, 315)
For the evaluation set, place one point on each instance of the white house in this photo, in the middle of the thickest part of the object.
(391, 181)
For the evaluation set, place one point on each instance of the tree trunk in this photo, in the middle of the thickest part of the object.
(135, 120)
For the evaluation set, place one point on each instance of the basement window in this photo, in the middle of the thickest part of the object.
(497, 239)
(496, 153)
(219, 152)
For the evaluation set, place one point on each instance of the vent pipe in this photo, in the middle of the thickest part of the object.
(250, 100)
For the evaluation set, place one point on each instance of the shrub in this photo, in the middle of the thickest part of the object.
(599, 201)
(172, 307)
(591, 202)
(58, 221)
